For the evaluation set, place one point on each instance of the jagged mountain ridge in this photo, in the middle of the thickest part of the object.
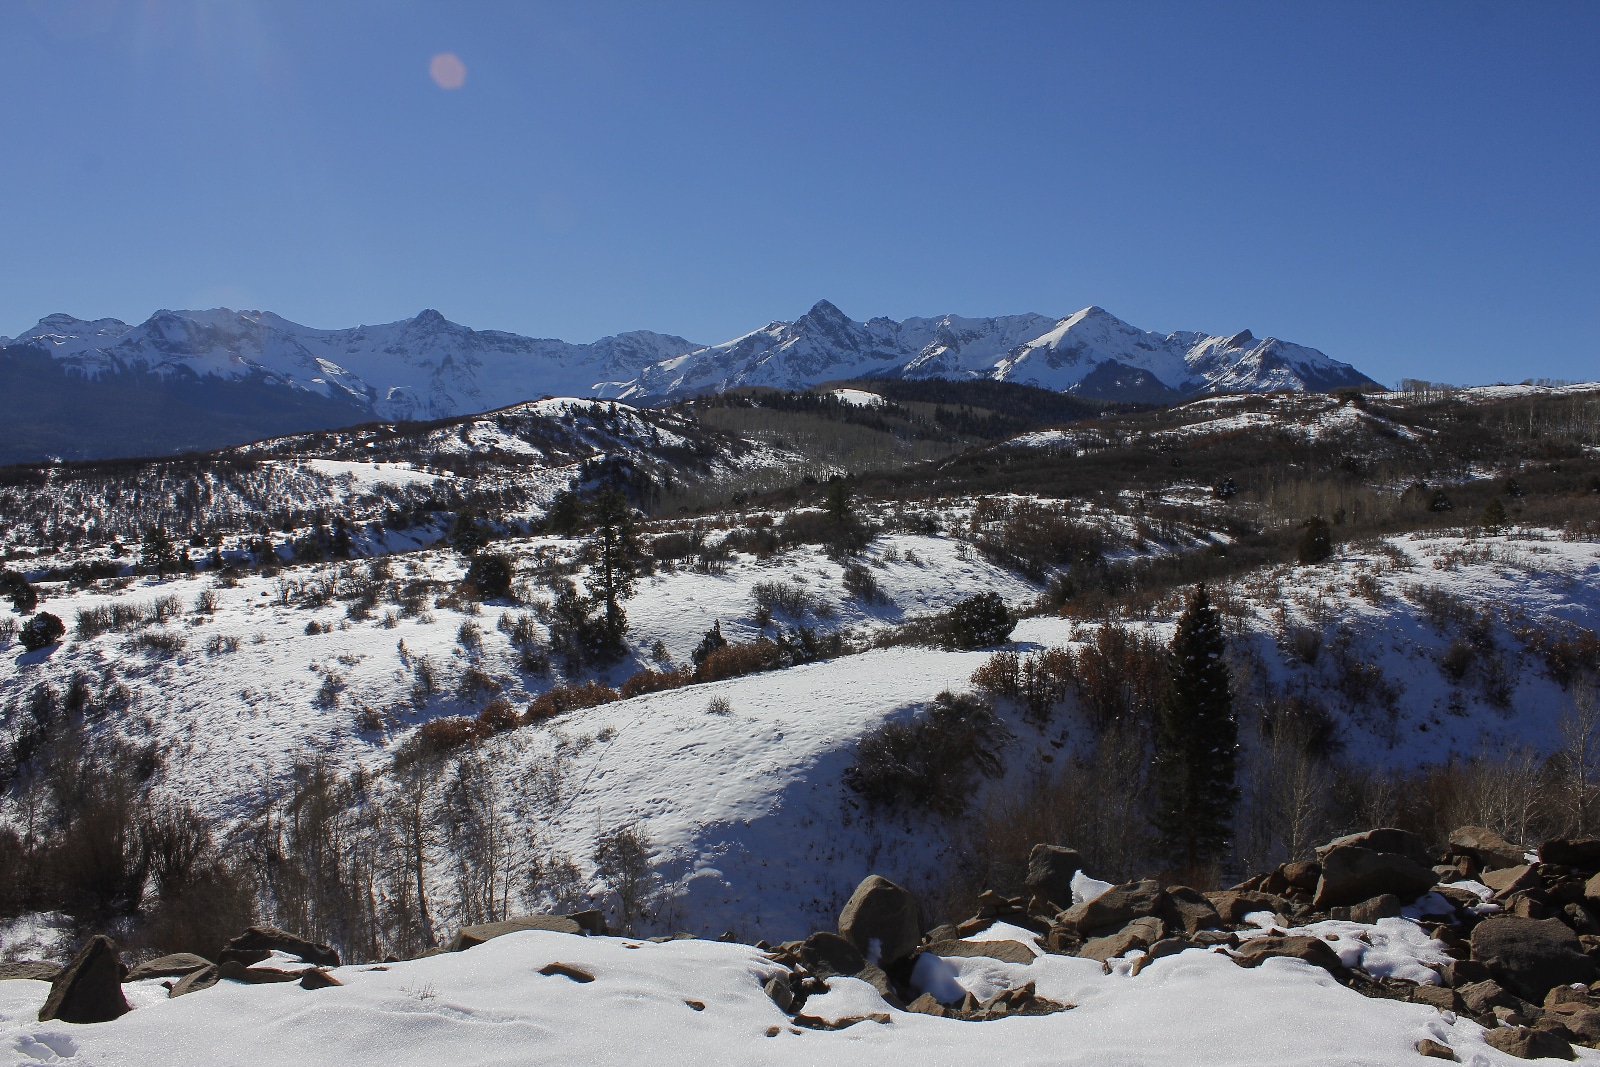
(1091, 353)
(186, 380)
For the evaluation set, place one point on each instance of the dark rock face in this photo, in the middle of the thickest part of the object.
(1050, 871)
(1352, 873)
(1303, 874)
(883, 912)
(826, 955)
(1582, 853)
(1313, 950)
(270, 939)
(89, 989)
(1116, 907)
(469, 936)
(1531, 955)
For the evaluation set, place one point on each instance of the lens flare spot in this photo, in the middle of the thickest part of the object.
(447, 71)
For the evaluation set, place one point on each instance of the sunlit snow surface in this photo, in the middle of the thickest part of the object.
(490, 1006)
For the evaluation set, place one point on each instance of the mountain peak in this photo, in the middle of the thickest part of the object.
(429, 317)
(826, 311)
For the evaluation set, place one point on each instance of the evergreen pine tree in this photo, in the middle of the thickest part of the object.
(1195, 742)
(611, 577)
(157, 554)
(1494, 516)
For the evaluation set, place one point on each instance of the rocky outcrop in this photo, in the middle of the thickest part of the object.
(32, 970)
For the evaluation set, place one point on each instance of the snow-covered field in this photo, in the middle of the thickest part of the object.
(700, 1002)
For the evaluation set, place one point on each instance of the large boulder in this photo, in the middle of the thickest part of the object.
(1353, 873)
(1487, 847)
(1384, 839)
(1526, 1044)
(1582, 853)
(1255, 951)
(32, 970)
(1508, 880)
(1116, 907)
(89, 989)
(1531, 955)
(174, 966)
(826, 955)
(248, 946)
(1302, 874)
(470, 936)
(1140, 933)
(882, 912)
(1188, 910)
(1050, 871)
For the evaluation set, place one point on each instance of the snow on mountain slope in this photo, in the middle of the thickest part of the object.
(699, 1002)
(1081, 352)
(514, 460)
(420, 368)
(1307, 416)
(428, 367)
(1092, 353)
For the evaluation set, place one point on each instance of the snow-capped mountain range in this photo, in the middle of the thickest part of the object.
(284, 377)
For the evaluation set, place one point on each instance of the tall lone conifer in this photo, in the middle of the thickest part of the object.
(1195, 743)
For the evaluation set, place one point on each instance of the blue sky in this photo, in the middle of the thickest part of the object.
(1409, 187)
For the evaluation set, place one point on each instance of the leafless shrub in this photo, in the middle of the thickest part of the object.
(473, 681)
(622, 863)
(159, 642)
(791, 598)
(563, 698)
(222, 644)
